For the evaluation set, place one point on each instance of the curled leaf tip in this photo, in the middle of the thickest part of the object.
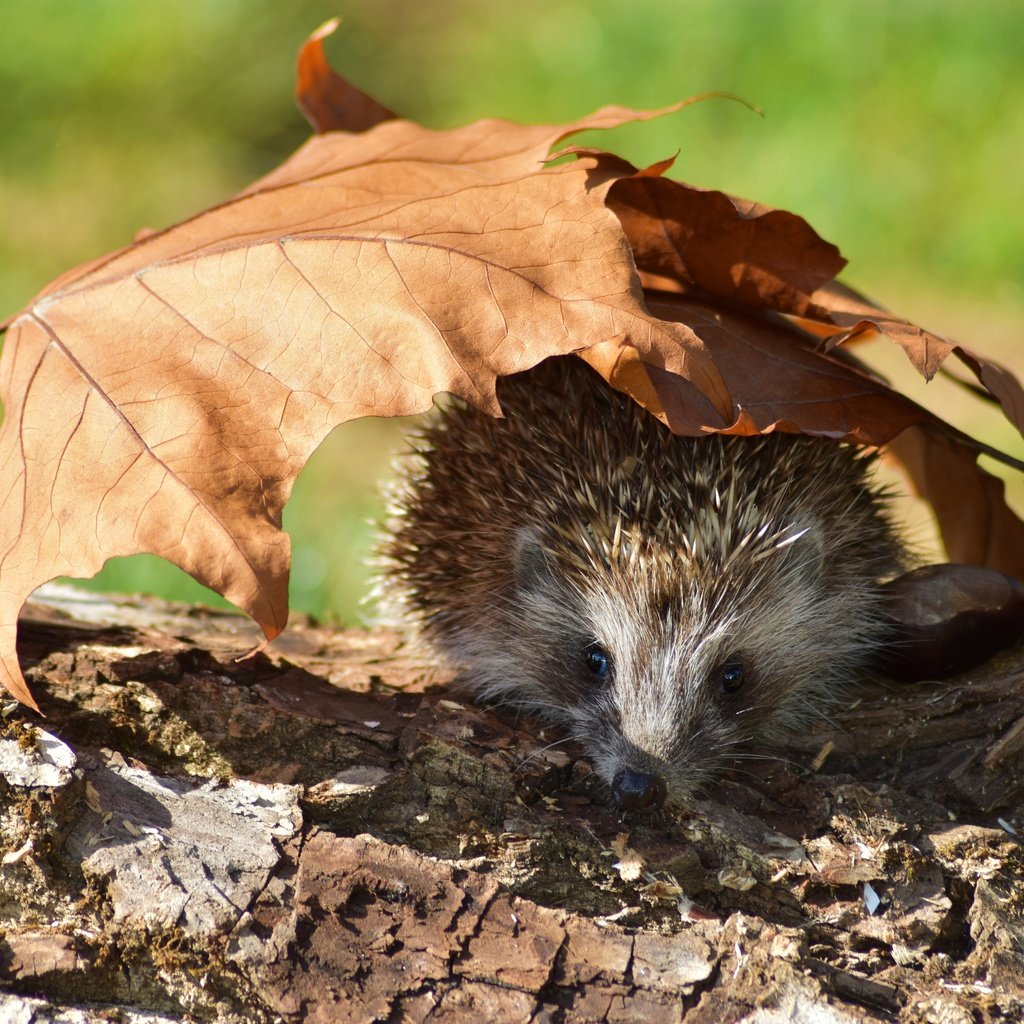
(327, 100)
(328, 28)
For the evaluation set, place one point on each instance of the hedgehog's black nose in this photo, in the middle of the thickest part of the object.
(638, 792)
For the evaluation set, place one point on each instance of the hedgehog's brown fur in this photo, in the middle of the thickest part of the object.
(515, 545)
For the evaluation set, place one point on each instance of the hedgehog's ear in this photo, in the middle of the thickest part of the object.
(804, 549)
(530, 562)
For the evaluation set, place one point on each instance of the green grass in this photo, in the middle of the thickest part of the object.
(897, 129)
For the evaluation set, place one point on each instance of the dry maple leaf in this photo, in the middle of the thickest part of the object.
(164, 398)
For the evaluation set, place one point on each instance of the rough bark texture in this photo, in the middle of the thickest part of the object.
(322, 833)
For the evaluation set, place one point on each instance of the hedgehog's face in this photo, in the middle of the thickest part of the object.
(659, 698)
(663, 677)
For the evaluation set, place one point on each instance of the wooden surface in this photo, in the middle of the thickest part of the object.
(321, 832)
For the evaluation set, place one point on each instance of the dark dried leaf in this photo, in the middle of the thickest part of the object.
(328, 101)
(948, 618)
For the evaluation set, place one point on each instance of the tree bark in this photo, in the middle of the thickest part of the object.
(323, 832)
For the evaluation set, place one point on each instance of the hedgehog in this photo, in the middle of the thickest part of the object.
(667, 600)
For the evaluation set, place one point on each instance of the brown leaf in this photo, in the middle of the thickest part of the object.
(977, 526)
(998, 381)
(927, 351)
(164, 398)
(328, 102)
(858, 317)
(779, 380)
(712, 244)
(948, 618)
(719, 246)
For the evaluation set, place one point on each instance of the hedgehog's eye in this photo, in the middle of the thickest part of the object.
(598, 661)
(730, 675)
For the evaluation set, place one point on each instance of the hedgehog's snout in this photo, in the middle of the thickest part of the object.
(638, 792)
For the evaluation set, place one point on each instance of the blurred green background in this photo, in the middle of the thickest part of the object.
(896, 128)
